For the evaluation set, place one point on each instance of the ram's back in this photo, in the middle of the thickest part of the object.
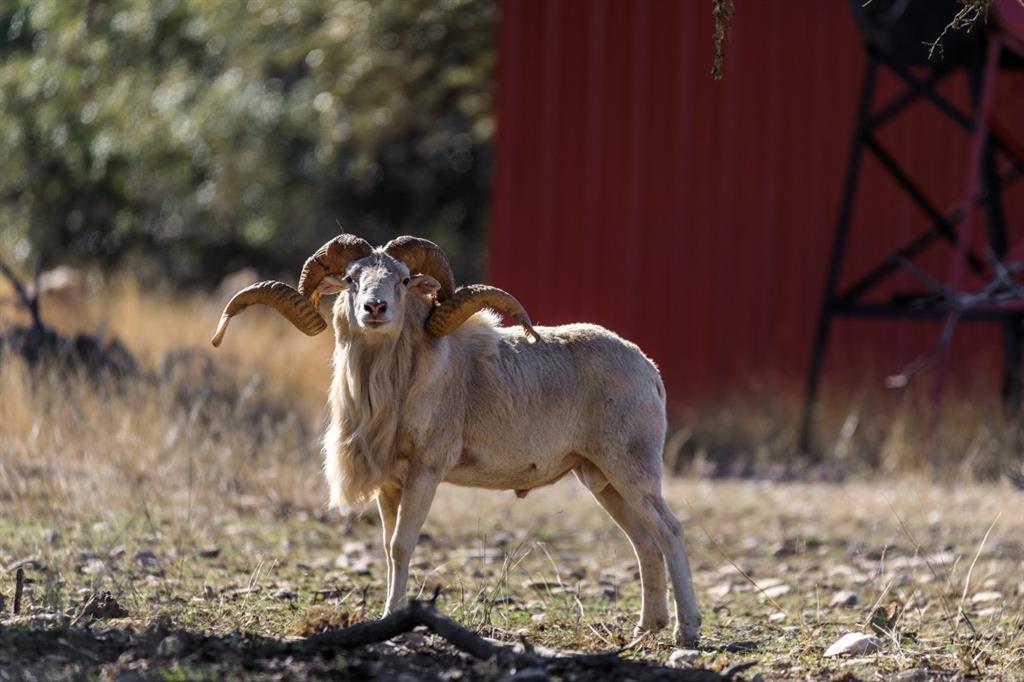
(580, 387)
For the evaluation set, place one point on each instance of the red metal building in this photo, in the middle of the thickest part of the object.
(696, 217)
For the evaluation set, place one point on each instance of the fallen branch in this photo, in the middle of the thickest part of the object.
(424, 613)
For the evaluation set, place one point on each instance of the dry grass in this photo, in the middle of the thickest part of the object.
(130, 487)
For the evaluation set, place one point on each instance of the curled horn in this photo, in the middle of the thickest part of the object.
(281, 297)
(299, 306)
(424, 257)
(330, 259)
(448, 315)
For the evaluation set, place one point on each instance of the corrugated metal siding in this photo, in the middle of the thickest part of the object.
(696, 217)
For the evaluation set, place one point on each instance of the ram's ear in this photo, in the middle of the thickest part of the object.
(423, 285)
(331, 284)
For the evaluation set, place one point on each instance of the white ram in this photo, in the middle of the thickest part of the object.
(429, 389)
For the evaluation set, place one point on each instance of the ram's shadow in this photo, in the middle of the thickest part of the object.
(31, 651)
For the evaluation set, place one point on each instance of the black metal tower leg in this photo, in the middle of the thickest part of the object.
(861, 131)
(995, 218)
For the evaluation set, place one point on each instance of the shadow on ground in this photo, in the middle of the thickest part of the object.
(31, 651)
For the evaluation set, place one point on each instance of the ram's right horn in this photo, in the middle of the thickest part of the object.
(281, 297)
(331, 259)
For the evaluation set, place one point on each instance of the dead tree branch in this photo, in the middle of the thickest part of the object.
(423, 613)
(28, 301)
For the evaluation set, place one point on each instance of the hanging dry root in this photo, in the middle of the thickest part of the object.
(722, 11)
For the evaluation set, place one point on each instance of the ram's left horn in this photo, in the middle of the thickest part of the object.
(468, 300)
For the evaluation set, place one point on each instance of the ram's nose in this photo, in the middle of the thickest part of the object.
(375, 307)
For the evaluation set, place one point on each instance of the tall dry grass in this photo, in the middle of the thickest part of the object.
(197, 431)
(208, 429)
(865, 433)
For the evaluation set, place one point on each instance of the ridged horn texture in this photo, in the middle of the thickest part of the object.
(331, 259)
(468, 300)
(424, 257)
(281, 297)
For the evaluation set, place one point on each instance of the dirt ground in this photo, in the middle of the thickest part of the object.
(782, 572)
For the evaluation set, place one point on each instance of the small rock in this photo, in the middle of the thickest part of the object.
(171, 646)
(844, 598)
(914, 675)
(682, 658)
(355, 547)
(542, 585)
(536, 674)
(147, 558)
(777, 617)
(102, 605)
(853, 643)
(985, 597)
(284, 593)
(130, 676)
(741, 646)
(208, 552)
(356, 565)
(720, 590)
(483, 554)
(30, 564)
(94, 567)
(776, 591)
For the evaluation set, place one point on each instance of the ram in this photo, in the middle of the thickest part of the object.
(428, 388)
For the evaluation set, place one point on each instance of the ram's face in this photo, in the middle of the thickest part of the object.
(375, 293)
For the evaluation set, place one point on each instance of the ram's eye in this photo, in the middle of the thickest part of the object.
(405, 281)
(348, 280)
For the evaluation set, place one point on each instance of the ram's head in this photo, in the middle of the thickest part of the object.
(377, 280)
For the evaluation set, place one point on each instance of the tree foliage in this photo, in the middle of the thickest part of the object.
(192, 137)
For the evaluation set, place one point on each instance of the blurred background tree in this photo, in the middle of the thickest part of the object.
(190, 138)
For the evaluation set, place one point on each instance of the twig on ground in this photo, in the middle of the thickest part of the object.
(19, 586)
(970, 570)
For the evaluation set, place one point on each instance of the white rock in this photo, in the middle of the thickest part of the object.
(985, 597)
(94, 567)
(776, 591)
(721, 590)
(682, 658)
(844, 598)
(853, 643)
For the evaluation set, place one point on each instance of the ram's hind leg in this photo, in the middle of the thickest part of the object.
(637, 478)
(654, 610)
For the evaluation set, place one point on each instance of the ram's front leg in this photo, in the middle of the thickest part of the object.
(417, 495)
(387, 504)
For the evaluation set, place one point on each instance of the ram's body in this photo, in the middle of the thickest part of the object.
(491, 409)
(425, 391)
